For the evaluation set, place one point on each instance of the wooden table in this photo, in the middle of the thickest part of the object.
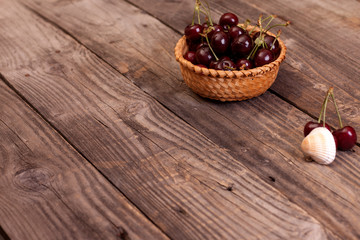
(101, 139)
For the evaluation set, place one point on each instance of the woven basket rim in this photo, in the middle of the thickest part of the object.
(235, 73)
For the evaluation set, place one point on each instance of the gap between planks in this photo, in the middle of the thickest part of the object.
(3, 235)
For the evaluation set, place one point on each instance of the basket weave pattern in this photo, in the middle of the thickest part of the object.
(227, 85)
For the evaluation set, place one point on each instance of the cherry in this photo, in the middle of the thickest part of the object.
(223, 58)
(192, 32)
(225, 64)
(219, 42)
(204, 56)
(201, 65)
(205, 25)
(269, 40)
(309, 126)
(242, 45)
(256, 35)
(213, 64)
(228, 65)
(200, 45)
(263, 56)
(228, 19)
(236, 31)
(216, 28)
(244, 64)
(346, 138)
(216, 64)
(192, 45)
(190, 56)
(336, 142)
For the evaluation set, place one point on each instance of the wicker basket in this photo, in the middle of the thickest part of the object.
(227, 85)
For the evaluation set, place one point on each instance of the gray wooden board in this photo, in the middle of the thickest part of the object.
(263, 133)
(48, 191)
(182, 181)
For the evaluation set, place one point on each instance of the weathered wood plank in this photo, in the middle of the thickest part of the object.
(48, 191)
(182, 181)
(268, 143)
(323, 47)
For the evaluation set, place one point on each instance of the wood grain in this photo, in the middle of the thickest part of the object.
(266, 142)
(48, 191)
(187, 185)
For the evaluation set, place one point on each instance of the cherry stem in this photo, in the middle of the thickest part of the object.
(337, 109)
(323, 107)
(327, 98)
(277, 36)
(271, 19)
(207, 40)
(197, 10)
(260, 21)
(253, 51)
(265, 19)
(204, 12)
(198, 14)
(193, 20)
(321, 112)
(208, 11)
(278, 25)
(252, 30)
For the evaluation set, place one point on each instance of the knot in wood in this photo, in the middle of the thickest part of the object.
(122, 234)
(33, 179)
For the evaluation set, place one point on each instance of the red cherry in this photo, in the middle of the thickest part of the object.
(200, 45)
(201, 65)
(223, 58)
(242, 45)
(269, 40)
(190, 56)
(216, 28)
(256, 35)
(346, 138)
(309, 126)
(228, 65)
(192, 45)
(217, 66)
(225, 64)
(228, 19)
(236, 31)
(204, 56)
(205, 25)
(219, 42)
(244, 64)
(336, 142)
(263, 56)
(213, 64)
(192, 32)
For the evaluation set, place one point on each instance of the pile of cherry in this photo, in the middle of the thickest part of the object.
(228, 45)
(345, 137)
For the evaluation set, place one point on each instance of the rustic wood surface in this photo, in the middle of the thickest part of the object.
(100, 137)
(49, 191)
